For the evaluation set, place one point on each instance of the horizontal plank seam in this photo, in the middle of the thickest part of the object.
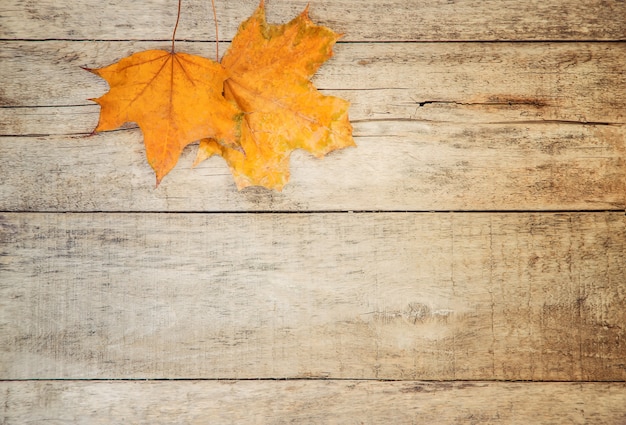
(421, 104)
(548, 211)
(47, 106)
(427, 41)
(310, 379)
(418, 103)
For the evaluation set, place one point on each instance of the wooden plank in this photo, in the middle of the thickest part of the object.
(360, 20)
(368, 107)
(397, 166)
(311, 402)
(439, 129)
(582, 82)
(388, 296)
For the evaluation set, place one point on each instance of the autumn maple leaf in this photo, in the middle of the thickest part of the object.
(269, 67)
(175, 98)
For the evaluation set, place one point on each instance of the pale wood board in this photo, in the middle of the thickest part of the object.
(394, 296)
(311, 402)
(455, 126)
(359, 20)
(580, 82)
(464, 105)
(398, 165)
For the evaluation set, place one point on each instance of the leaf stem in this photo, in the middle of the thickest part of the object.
(176, 26)
(217, 37)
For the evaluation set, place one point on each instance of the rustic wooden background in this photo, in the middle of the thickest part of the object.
(466, 264)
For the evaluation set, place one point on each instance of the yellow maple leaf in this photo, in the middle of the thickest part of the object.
(269, 67)
(175, 98)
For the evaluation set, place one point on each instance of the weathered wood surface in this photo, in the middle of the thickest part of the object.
(406, 166)
(360, 20)
(580, 82)
(447, 117)
(311, 402)
(455, 126)
(358, 296)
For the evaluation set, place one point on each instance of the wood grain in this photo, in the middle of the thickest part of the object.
(398, 165)
(311, 402)
(388, 296)
(457, 105)
(581, 82)
(454, 126)
(359, 20)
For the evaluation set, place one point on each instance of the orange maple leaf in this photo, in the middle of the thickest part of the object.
(269, 67)
(175, 98)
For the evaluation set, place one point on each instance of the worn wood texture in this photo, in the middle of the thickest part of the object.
(311, 402)
(536, 81)
(396, 166)
(360, 20)
(393, 296)
(457, 105)
(454, 126)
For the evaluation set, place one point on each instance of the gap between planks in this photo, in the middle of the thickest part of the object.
(300, 212)
(321, 379)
